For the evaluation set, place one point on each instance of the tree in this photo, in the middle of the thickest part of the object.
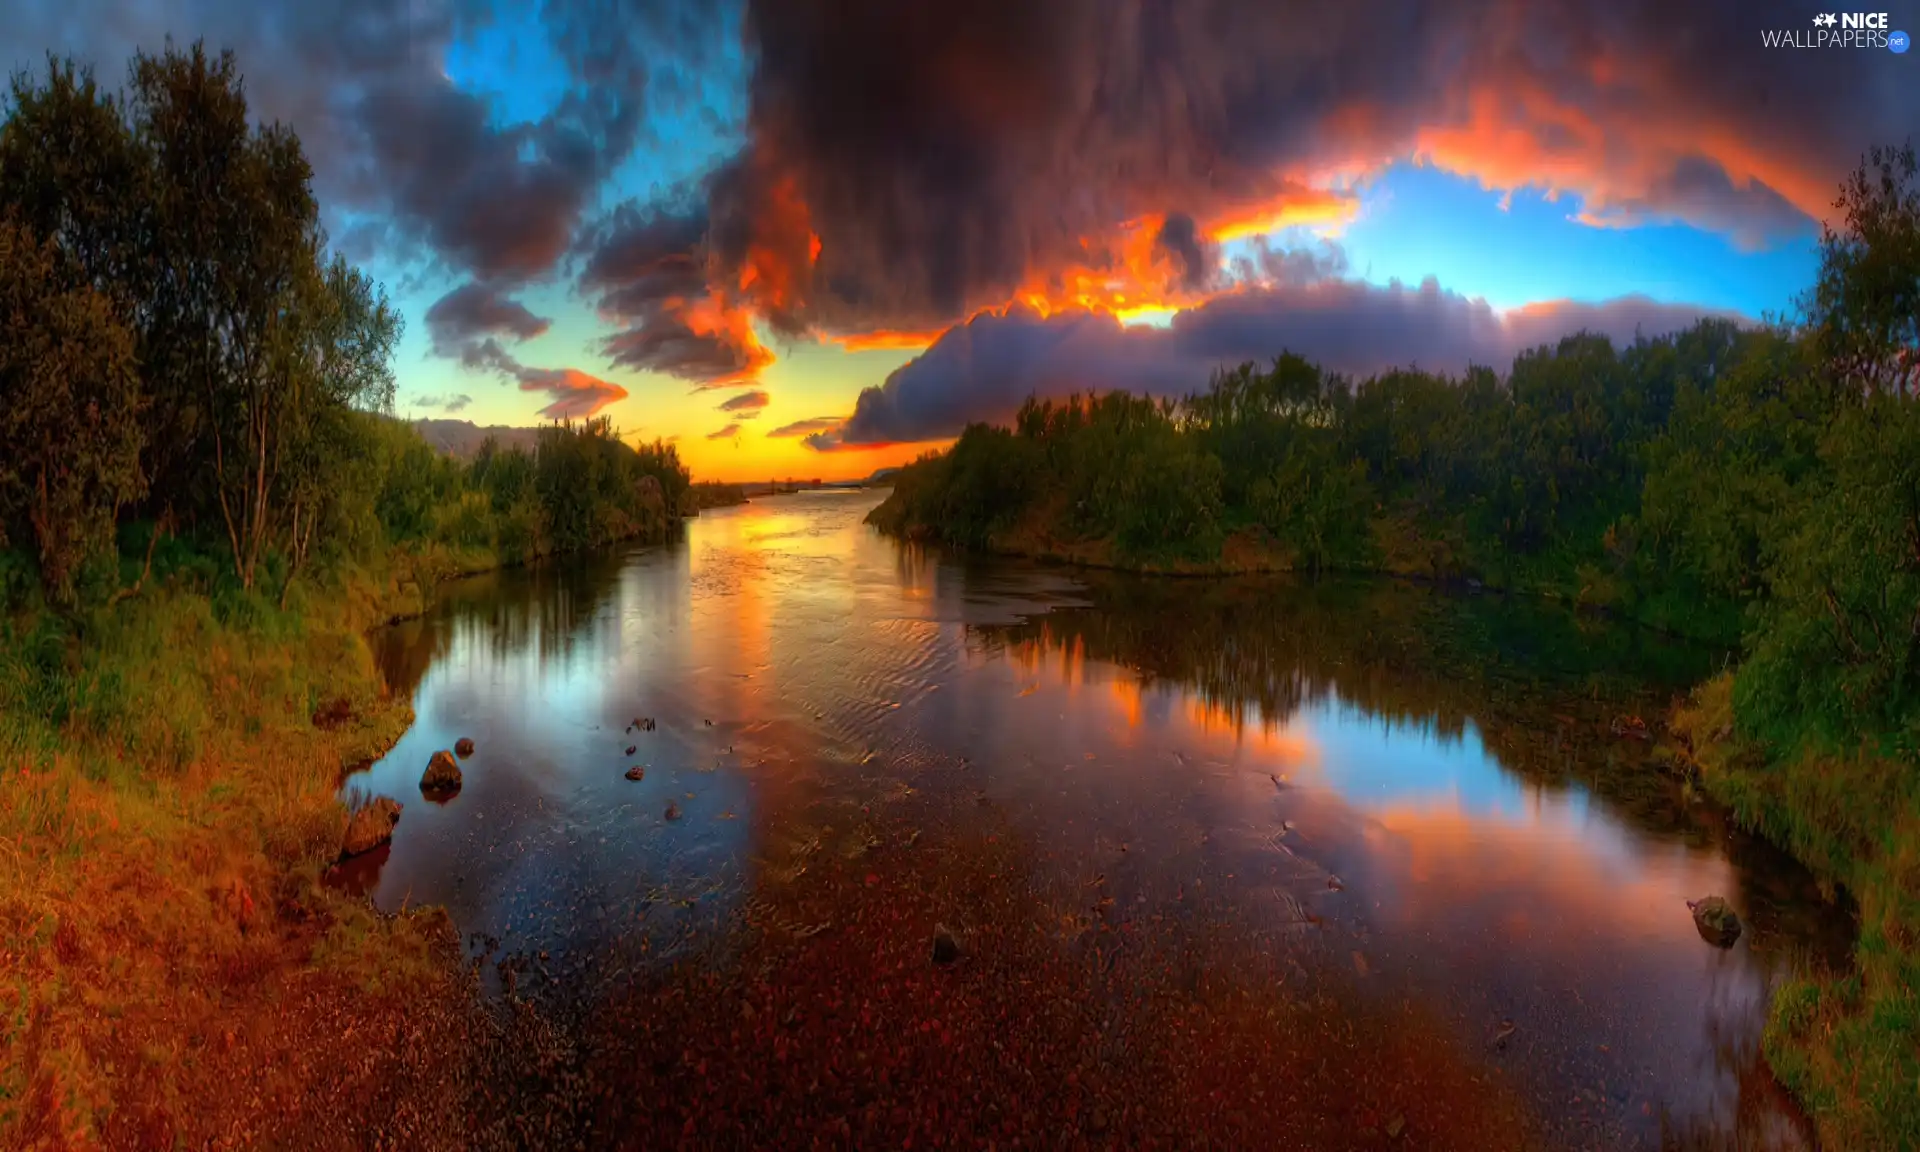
(342, 366)
(237, 247)
(70, 408)
(74, 174)
(1864, 311)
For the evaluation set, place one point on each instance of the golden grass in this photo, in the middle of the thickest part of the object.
(166, 809)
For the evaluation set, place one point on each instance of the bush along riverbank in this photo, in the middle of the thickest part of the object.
(195, 534)
(1751, 486)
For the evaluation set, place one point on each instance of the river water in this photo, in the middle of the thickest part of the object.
(1397, 818)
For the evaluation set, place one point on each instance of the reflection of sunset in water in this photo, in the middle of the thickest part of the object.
(1414, 795)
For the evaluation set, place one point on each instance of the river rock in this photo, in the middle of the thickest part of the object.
(463, 747)
(1716, 920)
(370, 826)
(673, 811)
(946, 949)
(637, 772)
(443, 773)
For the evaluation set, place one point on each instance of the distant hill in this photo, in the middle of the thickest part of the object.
(462, 438)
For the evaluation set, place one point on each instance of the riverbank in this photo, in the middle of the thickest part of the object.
(1398, 551)
(1847, 1047)
(172, 766)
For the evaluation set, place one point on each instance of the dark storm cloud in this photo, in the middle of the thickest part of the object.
(390, 136)
(906, 163)
(984, 369)
(1197, 257)
(648, 272)
(500, 202)
(948, 156)
(465, 322)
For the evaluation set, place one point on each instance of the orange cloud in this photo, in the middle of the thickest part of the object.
(886, 341)
(1299, 207)
(725, 324)
(773, 273)
(1623, 139)
(575, 394)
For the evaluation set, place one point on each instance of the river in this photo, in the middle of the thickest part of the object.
(1280, 865)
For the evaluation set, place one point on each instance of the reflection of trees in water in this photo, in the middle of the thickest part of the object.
(544, 608)
(1258, 651)
(1750, 1111)
(1542, 685)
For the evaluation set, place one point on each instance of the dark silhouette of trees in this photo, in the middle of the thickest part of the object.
(183, 347)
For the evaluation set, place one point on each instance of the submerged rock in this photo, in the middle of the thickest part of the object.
(1719, 925)
(946, 949)
(632, 748)
(637, 772)
(463, 747)
(673, 811)
(370, 826)
(442, 774)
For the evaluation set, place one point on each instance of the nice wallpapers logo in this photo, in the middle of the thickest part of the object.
(1839, 30)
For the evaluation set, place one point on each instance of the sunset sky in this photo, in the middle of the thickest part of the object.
(816, 237)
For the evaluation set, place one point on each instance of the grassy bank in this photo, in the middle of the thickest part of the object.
(172, 763)
(169, 805)
(1846, 1045)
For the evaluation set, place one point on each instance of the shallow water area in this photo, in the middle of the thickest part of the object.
(1370, 796)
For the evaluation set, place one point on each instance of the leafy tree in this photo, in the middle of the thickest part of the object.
(344, 366)
(73, 173)
(238, 238)
(1864, 312)
(70, 408)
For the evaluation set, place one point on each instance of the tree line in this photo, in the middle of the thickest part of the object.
(1722, 480)
(182, 353)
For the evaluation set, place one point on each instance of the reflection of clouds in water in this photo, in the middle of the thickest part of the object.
(1367, 757)
(1500, 895)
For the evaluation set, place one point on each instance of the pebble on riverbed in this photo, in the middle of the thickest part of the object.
(637, 772)
(673, 811)
(463, 747)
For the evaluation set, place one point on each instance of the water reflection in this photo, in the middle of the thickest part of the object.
(1417, 792)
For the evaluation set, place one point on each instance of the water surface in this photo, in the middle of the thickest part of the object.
(1367, 793)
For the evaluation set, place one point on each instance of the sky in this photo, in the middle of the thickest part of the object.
(817, 237)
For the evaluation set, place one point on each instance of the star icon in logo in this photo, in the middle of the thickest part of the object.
(1825, 20)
